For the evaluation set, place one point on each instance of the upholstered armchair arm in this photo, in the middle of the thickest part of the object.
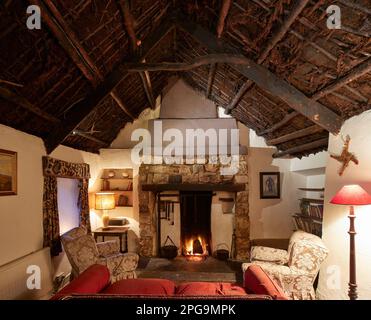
(306, 257)
(259, 253)
(121, 265)
(108, 248)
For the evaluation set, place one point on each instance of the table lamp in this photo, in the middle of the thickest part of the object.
(352, 195)
(105, 201)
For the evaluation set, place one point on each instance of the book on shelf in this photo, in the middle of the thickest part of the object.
(311, 209)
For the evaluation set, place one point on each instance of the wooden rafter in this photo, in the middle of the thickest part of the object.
(210, 79)
(25, 104)
(287, 118)
(226, 4)
(87, 106)
(277, 37)
(135, 43)
(268, 81)
(352, 75)
(89, 136)
(146, 81)
(295, 135)
(212, 59)
(72, 45)
(304, 147)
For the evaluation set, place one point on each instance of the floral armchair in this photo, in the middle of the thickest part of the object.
(295, 270)
(82, 252)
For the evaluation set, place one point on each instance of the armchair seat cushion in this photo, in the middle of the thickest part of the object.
(260, 253)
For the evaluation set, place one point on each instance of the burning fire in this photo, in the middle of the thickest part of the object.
(189, 246)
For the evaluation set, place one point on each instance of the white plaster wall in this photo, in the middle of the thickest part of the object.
(181, 101)
(21, 229)
(272, 218)
(334, 272)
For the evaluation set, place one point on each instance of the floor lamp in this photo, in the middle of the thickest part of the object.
(352, 195)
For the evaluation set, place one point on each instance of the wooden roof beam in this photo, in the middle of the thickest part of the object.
(266, 80)
(295, 135)
(129, 23)
(222, 16)
(27, 105)
(277, 37)
(71, 44)
(87, 106)
(147, 85)
(302, 148)
(90, 137)
(286, 119)
(210, 80)
(352, 75)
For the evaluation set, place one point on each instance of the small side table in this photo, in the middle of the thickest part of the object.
(120, 232)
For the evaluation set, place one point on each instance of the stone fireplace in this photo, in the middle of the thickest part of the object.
(157, 178)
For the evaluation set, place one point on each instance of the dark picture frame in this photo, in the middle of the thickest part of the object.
(270, 185)
(8, 173)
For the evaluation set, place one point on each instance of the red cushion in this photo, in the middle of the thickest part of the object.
(209, 289)
(257, 281)
(141, 287)
(92, 280)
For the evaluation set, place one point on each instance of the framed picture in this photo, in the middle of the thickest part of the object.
(270, 187)
(8, 173)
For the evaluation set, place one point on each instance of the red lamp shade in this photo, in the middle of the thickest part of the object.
(352, 195)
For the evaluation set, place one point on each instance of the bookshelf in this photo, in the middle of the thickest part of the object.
(311, 213)
(119, 182)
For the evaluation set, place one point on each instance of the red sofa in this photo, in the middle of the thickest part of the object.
(94, 283)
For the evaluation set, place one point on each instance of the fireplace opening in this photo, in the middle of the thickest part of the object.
(195, 210)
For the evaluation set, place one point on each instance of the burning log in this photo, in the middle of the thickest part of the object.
(197, 247)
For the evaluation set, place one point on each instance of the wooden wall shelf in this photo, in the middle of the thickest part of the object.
(313, 189)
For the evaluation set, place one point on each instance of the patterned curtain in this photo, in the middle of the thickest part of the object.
(51, 216)
(83, 203)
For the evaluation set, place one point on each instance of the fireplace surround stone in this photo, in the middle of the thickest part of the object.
(197, 174)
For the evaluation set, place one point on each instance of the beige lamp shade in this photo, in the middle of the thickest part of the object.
(104, 201)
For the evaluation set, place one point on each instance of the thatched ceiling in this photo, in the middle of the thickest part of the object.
(65, 77)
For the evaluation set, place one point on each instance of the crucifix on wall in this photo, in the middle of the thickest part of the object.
(345, 157)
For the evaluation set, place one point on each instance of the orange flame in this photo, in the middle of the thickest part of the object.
(189, 245)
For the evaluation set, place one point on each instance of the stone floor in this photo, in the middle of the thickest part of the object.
(181, 270)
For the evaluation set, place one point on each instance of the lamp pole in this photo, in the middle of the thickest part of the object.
(352, 293)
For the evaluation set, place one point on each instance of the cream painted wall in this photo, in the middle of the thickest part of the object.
(182, 101)
(336, 224)
(21, 230)
(271, 218)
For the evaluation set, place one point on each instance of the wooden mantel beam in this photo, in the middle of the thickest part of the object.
(277, 37)
(266, 80)
(304, 147)
(71, 44)
(352, 75)
(88, 105)
(295, 135)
